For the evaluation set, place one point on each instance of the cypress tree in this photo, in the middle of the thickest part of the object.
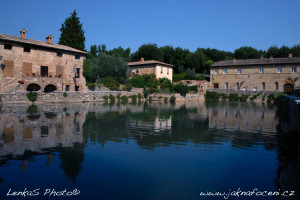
(72, 34)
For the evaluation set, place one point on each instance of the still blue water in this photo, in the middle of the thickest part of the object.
(140, 151)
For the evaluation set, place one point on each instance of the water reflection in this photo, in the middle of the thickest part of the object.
(70, 136)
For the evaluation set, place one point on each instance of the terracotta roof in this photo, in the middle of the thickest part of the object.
(26, 41)
(264, 61)
(148, 62)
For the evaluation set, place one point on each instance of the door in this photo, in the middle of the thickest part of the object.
(288, 88)
(216, 85)
(44, 71)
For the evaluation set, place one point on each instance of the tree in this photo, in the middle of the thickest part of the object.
(72, 34)
(247, 53)
(195, 60)
(148, 52)
(124, 53)
(108, 65)
(168, 53)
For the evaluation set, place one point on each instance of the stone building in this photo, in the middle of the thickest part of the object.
(160, 69)
(34, 65)
(264, 74)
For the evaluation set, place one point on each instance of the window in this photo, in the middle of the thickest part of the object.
(8, 46)
(27, 49)
(263, 85)
(161, 70)
(261, 70)
(137, 71)
(294, 69)
(27, 69)
(216, 71)
(226, 85)
(279, 69)
(77, 56)
(239, 70)
(276, 85)
(168, 70)
(225, 71)
(77, 74)
(59, 54)
(8, 70)
(237, 85)
(67, 87)
(44, 71)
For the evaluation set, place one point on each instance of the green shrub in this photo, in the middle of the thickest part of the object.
(124, 99)
(264, 98)
(193, 89)
(32, 110)
(143, 81)
(243, 98)
(140, 97)
(223, 96)
(94, 98)
(233, 97)
(134, 98)
(32, 96)
(160, 97)
(166, 85)
(65, 109)
(172, 99)
(91, 86)
(179, 77)
(65, 94)
(166, 99)
(112, 98)
(213, 96)
(110, 83)
(182, 89)
(150, 98)
(118, 97)
(105, 97)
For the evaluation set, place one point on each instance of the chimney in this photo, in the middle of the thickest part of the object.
(49, 39)
(290, 55)
(142, 60)
(23, 33)
(234, 60)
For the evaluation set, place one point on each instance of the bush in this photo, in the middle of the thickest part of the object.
(32, 96)
(223, 96)
(172, 99)
(110, 83)
(193, 89)
(112, 98)
(160, 97)
(105, 97)
(264, 98)
(166, 85)
(213, 96)
(179, 77)
(233, 97)
(134, 98)
(118, 97)
(91, 86)
(140, 97)
(150, 98)
(166, 99)
(65, 94)
(182, 89)
(243, 98)
(124, 99)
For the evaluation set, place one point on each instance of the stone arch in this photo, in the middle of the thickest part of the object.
(50, 88)
(33, 87)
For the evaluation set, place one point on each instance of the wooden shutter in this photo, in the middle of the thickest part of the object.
(59, 71)
(8, 68)
(27, 69)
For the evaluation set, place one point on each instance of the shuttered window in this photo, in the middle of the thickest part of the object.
(59, 71)
(27, 69)
(8, 68)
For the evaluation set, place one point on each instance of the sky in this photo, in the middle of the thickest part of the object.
(221, 24)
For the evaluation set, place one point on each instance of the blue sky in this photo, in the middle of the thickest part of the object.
(221, 24)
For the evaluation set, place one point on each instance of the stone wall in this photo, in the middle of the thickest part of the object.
(58, 96)
(240, 92)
